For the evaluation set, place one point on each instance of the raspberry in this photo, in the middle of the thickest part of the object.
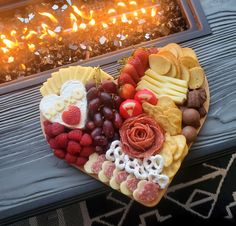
(87, 151)
(62, 140)
(57, 128)
(73, 147)
(48, 130)
(70, 158)
(46, 123)
(75, 135)
(72, 115)
(81, 161)
(59, 153)
(53, 144)
(86, 140)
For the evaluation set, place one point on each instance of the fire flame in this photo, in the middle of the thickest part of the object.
(81, 14)
(10, 59)
(110, 11)
(31, 47)
(22, 66)
(143, 10)
(10, 44)
(92, 22)
(104, 25)
(133, 3)
(153, 12)
(121, 4)
(82, 26)
(30, 34)
(124, 18)
(75, 27)
(51, 33)
(4, 50)
(50, 16)
(73, 17)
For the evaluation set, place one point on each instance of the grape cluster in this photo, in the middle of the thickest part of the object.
(104, 119)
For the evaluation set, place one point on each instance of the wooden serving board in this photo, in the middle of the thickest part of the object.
(161, 194)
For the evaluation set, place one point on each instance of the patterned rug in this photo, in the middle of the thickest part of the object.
(202, 194)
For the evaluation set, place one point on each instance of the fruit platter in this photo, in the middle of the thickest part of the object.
(131, 132)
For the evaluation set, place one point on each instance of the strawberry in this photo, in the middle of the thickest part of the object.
(136, 62)
(53, 144)
(59, 153)
(72, 115)
(87, 151)
(130, 69)
(81, 161)
(57, 128)
(73, 147)
(86, 140)
(75, 135)
(70, 158)
(125, 78)
(142, 54)
(127, 91)
(48, 131)
(62, 140)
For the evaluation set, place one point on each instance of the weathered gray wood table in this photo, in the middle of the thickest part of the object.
(32, 178)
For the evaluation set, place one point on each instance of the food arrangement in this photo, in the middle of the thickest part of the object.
(134, 132)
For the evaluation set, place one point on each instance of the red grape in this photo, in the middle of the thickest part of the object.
(107, 113)
(100, 140)
(117, 102)
(117, 122)
(98, 119)
(89, 85)
(94, 104)
(106, 98)
(96, 132)
(109, 87)
(108, 129)
(92, 93)
(90, 125)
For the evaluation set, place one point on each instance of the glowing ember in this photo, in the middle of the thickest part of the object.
(50, 16)
(10, 59)
(82, 26)
(92, 22)
(133, 3)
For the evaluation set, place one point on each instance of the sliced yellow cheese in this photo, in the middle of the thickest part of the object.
(57, 79)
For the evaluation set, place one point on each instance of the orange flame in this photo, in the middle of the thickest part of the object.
(31, 47)
(13, 33)
(121, 4)
(75, 27)
(92, 22)
(82, 26)
(110, 11)
(25, 30)
(73, 17)
(124, 18)
(50, 16)
(4, 49)
(3, 36)
(133, 3)
(10, 59)
(30, 34)
(143, 10)
(153, 12)
(135, 13)
(52, 33)
(104, 25)
(9, 43)
(113, 20)
(22, 66)
(81, 14)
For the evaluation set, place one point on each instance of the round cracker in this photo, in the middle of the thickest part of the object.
(197, 78)
(189, 62)
(160, 64)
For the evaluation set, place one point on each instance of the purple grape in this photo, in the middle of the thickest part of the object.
(107, 113)
(117, 122)
(89, 85)
(98, 119)
(90, 125)
(106, 98)
(99, 149)
(92, 93)
(108, 129)
(117, 102)
(96, 132)
(100, 140)
(116, 136)
(94, 104)
(109, 87)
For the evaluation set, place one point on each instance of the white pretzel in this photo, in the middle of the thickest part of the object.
(140, 173)
(120, 163)
(118, 152)
(110, 154)
(158, 162)
(162, 180)
(115, 144)
(130, 166)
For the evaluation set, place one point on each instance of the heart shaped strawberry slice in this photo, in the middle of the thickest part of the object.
(72, 115)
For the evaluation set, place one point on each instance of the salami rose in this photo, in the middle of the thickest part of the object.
(141, 136)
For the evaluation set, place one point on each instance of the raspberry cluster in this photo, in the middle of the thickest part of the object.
(74, 146)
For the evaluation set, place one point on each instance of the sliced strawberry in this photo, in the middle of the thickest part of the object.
(130, 69)
(142, 54)
(125, 78)
(136, 62)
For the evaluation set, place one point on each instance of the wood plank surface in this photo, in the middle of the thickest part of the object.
(30, 176)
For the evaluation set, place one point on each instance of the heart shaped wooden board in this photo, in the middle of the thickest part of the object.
(134, 132)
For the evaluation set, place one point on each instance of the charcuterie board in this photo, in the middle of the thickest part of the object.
(131, 133)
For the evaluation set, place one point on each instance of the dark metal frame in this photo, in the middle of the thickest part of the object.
(198, 26)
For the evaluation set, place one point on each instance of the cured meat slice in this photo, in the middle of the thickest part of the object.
(141, 136)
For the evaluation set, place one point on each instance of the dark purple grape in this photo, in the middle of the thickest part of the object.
(99, 149)
(108, 129)
(94, 104)
(109, 87)
(117, 122)
(107, 113)
(98, 119)
(92, 93)
(90, 125)
(116, 136)
(96, 132)
(117, 101)
(100, 140)
(89, 85)
(106, 98)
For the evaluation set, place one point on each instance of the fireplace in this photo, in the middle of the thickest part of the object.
(38, 37)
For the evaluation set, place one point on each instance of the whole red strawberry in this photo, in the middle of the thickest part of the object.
(57, 129)
(62, 140)
(81, 161)
(75, 134)
(72, 115)
(142, 54)
(73, 147)
(59, 153)
(86, 140)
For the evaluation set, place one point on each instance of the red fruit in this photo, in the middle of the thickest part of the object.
(57, 128)
(136, 62)
(72, 115)
(130, 69)
(70, 158)
(87, 151)
(59, 153)
(146, 96)
(125, 78)
(48, 131)
(75, 135)
(53, 144)
(81, 161)
(86, 140)
(142, 54)
(130, 108)
(73, 147)
(127, 91)
(153, 50)
(62, 140)
(46, 123)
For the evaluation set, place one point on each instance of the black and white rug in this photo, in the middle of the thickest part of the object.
(201, 194)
